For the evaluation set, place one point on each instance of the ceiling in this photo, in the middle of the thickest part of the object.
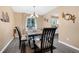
(40, 10)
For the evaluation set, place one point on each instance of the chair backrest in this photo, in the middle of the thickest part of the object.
(47, 37)
(19, 32)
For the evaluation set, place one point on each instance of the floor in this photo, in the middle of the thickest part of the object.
(60, 48)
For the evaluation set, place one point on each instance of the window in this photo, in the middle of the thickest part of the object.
(54, 22)
(31, 23)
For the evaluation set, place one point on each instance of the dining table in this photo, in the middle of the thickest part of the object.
(32, 35)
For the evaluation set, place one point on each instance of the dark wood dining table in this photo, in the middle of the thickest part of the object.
(32, 36)
(35, 33)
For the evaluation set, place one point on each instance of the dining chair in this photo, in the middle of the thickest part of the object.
(45, 44)
(22, 38)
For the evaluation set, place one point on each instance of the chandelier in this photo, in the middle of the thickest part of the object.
(34, 14)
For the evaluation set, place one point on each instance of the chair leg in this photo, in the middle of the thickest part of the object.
(19, 44)
(29, 43)
(34, 46)
(51, 49)
(23, 47)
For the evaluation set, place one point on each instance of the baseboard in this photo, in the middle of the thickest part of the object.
(71, 46)
(6, 46)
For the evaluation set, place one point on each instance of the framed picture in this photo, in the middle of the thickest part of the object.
(4, 17)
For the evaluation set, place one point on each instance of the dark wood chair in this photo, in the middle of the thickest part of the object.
(22, 38)
(46, 42)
